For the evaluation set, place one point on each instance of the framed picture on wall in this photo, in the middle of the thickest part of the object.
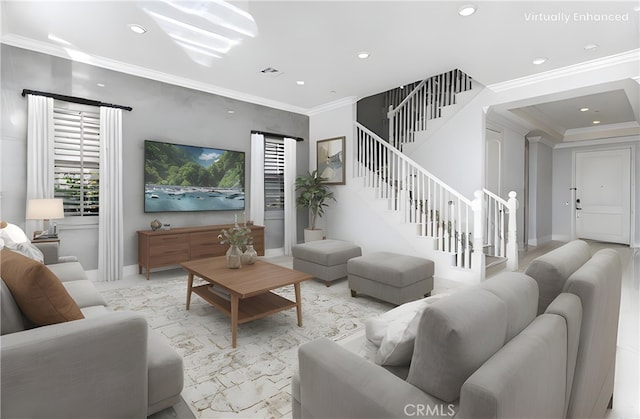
(330, 160)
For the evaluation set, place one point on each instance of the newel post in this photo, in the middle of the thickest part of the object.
(477, 257)
(512, 237)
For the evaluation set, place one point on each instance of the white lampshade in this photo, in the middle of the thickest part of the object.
(45, 209)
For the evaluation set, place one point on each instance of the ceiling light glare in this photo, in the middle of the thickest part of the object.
(137, 28)
(231, 111)
(596, 122)
(58, 40)
(591, 47)
(584, 109)
(540, 60)
(467, 10)
(300, 82)
(100, 85)
(362, 55)
(636, 9)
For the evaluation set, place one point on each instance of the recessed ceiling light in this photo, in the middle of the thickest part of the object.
(591, 47)
(467, 10)
(100, 84)
(596, 122)
(230, 111)
(137, 28)
(363, 55)
(540, 60)
(584, 109)
(300, 82)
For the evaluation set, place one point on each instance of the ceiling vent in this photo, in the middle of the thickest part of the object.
(271, 72)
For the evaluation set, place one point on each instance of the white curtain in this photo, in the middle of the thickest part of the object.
(40, 137)
(110, 224)
(257, 179)
(290, 222)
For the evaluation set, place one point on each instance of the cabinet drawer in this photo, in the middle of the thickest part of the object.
(206, 245)
(169, 240)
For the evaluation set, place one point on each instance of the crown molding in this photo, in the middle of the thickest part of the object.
(624, 57)
(47, 48)
(600, 141)
(340, 103)
(540, 139)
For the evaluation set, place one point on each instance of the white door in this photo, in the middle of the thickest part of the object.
(603, 195)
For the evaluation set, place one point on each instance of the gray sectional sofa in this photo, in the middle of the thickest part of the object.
(107, 365)
(486, 350)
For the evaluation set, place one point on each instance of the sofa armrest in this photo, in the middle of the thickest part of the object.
(95, 367)
(49, 250)
(337, 383)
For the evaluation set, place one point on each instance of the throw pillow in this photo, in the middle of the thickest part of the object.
(395, 331)
(13, 238)
(38, 292)
(14, 232)
(376, 328)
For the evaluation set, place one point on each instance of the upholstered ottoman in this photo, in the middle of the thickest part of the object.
(324, 259)
(391, 277)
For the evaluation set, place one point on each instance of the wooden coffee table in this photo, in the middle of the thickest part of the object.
(248, 287)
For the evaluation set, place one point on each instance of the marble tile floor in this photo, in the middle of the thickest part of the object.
(253, 380)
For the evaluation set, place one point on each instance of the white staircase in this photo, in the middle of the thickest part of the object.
(458, 233)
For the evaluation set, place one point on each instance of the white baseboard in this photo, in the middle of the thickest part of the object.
(274, 252)
(561, 238)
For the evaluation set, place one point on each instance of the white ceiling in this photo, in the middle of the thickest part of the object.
(318, 42)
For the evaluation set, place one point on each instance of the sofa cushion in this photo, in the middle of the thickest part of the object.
(68, 271)
(456, 336)
(11, 317)
(552, 269)
(38, 292)
(84, 293)
(520, 293)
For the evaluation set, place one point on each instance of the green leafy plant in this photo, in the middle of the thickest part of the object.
(313, 195)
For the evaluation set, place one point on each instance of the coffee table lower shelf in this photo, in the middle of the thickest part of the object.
(250, 308)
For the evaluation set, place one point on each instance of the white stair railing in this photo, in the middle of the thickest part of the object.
(420, 197)
(425, 102)
(500, 228)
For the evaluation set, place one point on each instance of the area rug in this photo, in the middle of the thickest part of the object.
(254, 379)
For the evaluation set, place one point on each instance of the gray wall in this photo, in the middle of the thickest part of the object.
(161, 112)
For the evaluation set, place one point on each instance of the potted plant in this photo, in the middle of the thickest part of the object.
(314, 195)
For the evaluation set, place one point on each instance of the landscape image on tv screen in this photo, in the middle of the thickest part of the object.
(192, 178)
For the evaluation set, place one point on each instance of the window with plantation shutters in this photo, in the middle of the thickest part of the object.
(77, 160)
(273, 174)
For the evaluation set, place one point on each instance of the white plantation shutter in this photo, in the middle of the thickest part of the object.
(77, 161)
(274, 175)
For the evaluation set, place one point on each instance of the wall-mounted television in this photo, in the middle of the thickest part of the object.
(181, 177)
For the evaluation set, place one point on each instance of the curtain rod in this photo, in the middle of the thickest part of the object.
(271, 134)
(73, 99)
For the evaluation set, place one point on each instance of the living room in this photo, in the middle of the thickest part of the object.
(184, 111)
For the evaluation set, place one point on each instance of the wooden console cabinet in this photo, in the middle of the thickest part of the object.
(170, 247)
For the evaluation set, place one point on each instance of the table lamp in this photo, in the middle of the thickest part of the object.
(47, 210)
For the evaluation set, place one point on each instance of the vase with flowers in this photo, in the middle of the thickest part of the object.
(237, 238)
